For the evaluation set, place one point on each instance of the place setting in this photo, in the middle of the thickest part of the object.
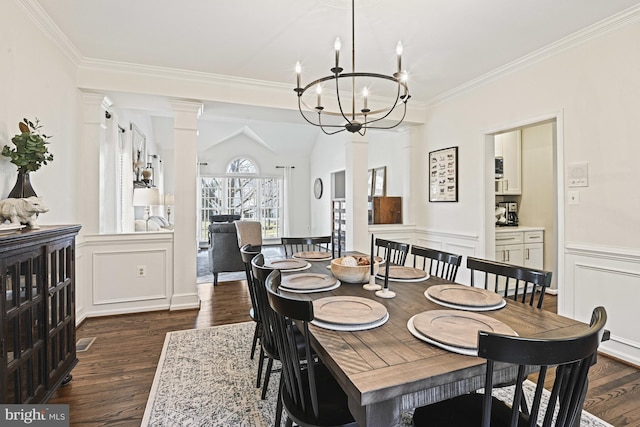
(464, 297)
(286, 265)
(313, 255)
(400, 273)
(303, 283)
(453, 330)
(348, 313)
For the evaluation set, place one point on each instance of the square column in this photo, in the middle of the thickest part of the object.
(185, 241)
(356, 162)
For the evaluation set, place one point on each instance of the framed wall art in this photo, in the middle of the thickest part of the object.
(380, 181)
(443, 175)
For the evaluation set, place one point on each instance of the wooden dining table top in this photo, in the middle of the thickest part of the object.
(386, 369)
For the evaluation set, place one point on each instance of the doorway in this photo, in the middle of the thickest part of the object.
(541, 199)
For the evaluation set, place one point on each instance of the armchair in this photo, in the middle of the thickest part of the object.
(224, 252)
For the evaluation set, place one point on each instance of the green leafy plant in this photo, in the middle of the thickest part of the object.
(30, 151)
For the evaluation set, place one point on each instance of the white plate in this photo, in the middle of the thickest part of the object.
(459, 350)
(465, 307)
(309, 291)
(350, 328)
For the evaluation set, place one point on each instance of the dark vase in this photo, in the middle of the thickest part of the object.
(23, 187)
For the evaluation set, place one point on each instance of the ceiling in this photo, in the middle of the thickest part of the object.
(446, 43)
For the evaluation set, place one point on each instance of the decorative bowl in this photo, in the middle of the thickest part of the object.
(352, 274)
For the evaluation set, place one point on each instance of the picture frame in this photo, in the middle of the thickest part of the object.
(380, 182)
(139, 152)
(443, 175)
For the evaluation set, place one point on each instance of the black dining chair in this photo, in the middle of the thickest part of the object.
(247, 253)
(268, 348)
(529, 285)
(398, 251)
(437, 263)
(294, 245)
(309, 394)
(572, 357)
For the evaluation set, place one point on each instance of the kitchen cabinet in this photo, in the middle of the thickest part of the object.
(509, 147)
(534, 249)
(510, 248)
(523, 246)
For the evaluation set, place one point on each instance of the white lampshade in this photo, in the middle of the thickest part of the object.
(146, 196)
(167, 199)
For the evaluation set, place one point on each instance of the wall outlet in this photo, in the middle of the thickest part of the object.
(574, 197)
(142, 271)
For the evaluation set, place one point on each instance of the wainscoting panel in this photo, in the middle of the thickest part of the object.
(113, 282)
(111, 268)
(608, 277)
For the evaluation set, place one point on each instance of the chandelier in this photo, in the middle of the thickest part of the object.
(332, 113)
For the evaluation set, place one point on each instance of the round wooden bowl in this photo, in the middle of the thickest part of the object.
(356, 274)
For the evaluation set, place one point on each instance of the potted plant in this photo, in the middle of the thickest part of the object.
(29, 154)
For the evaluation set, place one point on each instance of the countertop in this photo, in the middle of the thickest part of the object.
(520, 228)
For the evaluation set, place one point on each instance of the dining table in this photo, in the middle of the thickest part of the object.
(386, 370)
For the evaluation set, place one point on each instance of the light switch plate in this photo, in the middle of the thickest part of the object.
(578, 174)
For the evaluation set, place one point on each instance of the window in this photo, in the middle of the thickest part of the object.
(246, 194)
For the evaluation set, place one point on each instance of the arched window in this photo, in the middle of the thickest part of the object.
(242, 191)
(242, 166)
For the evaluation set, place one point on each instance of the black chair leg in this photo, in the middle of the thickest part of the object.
(260, 363)
(256, 333)
(279, 405)
(267, 375)
(215, 279)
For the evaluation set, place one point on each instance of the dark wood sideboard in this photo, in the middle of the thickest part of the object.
(37, 309)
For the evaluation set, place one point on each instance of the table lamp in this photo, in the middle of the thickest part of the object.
(167, 200)
(146, 197)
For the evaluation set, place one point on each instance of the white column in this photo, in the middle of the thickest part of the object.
(412, 173)
(185, 241)
(356, 162)
(88, 171)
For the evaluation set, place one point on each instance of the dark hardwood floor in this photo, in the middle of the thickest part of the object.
(111, 382)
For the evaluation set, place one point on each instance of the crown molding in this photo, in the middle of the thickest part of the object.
(43, 21)
(92, 64)
(596, 30)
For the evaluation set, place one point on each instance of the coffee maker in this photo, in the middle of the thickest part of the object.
(511, 209)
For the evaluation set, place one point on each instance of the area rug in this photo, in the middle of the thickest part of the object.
(205, 378)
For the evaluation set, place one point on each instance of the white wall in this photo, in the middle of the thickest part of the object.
(36, 80)
(594, 88)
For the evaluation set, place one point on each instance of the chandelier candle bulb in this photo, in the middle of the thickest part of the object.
(319, 93)
(399, 53)
(337, 45)
(365, 94)
(298, 70)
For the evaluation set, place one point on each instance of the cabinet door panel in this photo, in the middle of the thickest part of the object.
(534, 255)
